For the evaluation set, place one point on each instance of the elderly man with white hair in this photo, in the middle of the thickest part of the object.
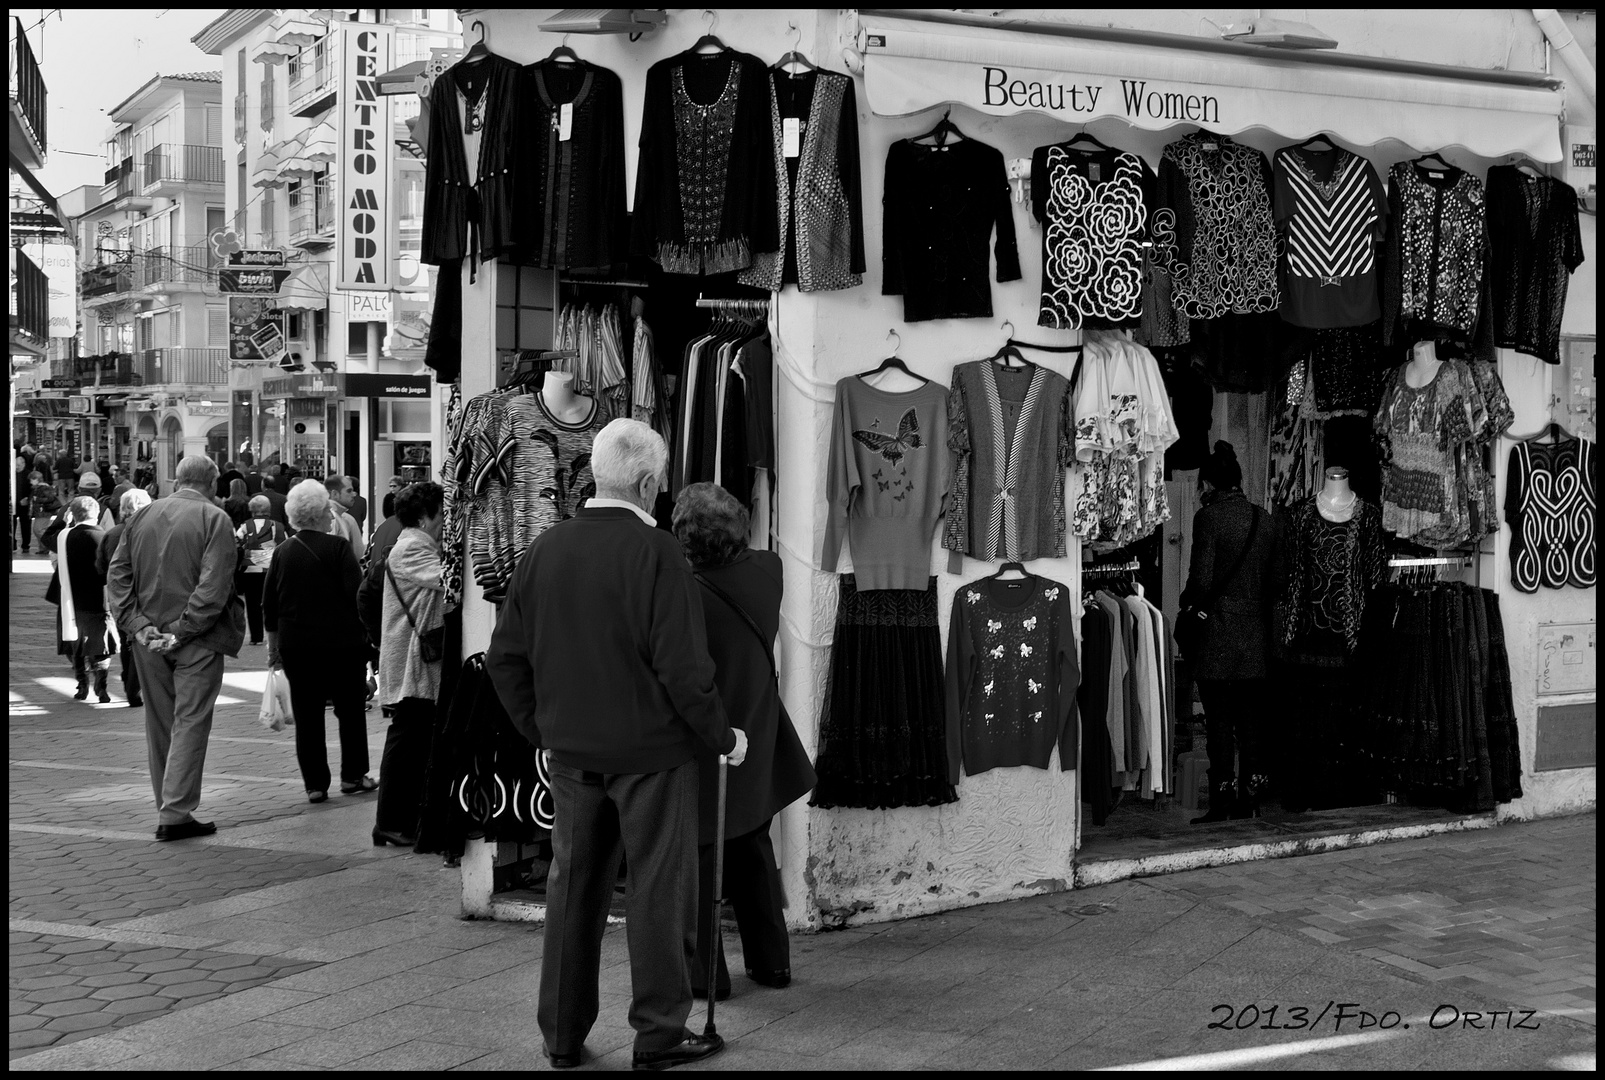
(172, 588)
(601, 658)
(309, 609)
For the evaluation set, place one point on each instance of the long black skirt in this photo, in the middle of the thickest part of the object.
(882, 731)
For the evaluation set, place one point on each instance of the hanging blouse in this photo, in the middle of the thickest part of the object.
(1534, 247)
(571, 158)
(1011, 676)
(1422, 431)
(1551, 498)
(1332, 568)
(1346, 373)
(1094, 207)
(941, 205)
(1435, 253)
(1214, 217)
(1123, 425)
(1010, 433)
(820, 195)
(471, 192)
(705, 179)
(1330, 210)
(887, 482)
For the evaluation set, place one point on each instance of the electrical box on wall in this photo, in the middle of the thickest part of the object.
(1565, 658)
(1581, 150)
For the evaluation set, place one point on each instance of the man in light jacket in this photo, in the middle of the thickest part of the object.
(172, 587)
(601, 658)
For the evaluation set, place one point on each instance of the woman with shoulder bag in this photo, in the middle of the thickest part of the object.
(412, 629)
(257, 538)
(309, 610)
(1228, 601)
(45, 504)
(741, 592)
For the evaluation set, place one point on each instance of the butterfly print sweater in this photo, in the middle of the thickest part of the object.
(887, 483)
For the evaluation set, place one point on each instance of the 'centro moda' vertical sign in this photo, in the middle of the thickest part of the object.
(363, 229)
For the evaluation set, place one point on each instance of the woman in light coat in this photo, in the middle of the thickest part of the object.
(414, 604)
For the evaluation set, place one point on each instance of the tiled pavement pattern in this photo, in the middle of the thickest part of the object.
(1510, 914)
(1114, 975)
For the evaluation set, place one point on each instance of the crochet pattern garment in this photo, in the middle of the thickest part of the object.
(1435, 253)
(1551, 497)
(1534, 247)
(1423, 432)
(1332, 569)
(1215, 201)
(1010, 434)
(1094, 208)
(1329, 208)
(1011, 676)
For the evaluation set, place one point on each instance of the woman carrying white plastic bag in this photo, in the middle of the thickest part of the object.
(275, 713)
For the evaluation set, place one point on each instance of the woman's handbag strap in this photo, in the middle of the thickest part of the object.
(752, 624)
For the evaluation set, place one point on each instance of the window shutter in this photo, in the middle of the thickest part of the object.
(216, 327)
(214, 125)
(175, 327)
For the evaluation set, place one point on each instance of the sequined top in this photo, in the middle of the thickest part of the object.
(1435, 252)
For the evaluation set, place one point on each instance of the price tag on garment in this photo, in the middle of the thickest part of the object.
(791, 136)
(1095, 172)
(565, 121)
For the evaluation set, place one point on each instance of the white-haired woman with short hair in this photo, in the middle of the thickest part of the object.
(130, 503)
(257, 537)
(309, 610)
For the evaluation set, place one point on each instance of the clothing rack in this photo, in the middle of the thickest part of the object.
(1442, 560)
(738, 307)
(1110, 569)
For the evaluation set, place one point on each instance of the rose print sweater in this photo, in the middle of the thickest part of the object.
(1011, 676)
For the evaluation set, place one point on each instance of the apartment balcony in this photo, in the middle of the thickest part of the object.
(30, 307)
(313, 76)
(312, 222)
(123, 187)
(107, 282)
(183, 367)
(173, 168)
(185, 269)
(239, 118)
(28, 110)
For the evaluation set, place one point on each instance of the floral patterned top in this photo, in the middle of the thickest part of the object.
(1011, 676)
(1333, 568)
(1422, 431)
(1123, 425)
(1094, 206)
(1435, 253)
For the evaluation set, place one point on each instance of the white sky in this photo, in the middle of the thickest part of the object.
(93, 58)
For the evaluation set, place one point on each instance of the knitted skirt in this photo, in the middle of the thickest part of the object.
(881, 733)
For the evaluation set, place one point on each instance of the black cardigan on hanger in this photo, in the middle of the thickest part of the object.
(463, 220)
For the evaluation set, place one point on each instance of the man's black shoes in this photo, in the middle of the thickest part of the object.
(691, 1048)
(183, 830)
(564, 1061)
(779, 980)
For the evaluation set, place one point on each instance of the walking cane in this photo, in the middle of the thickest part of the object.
(716, 931)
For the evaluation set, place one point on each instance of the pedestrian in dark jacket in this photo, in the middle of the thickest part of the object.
(78, 589)
(740, 584)
(258, 536)
(601, 659)
(1232, 666)
(130, 503)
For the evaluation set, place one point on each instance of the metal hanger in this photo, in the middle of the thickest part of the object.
(709, 39)
(794, 57)
(1008, 351)
(892, 361)
(944, 127)
(1006, 567)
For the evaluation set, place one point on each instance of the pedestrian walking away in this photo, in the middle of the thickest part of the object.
(409, 671)
(600, 659)
(171, 585)
(257, 537)
(44, 504)
(78, 589)
(133, 501)
(741, 609)
(309, 613)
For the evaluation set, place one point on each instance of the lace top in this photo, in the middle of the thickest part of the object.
(1422, 431)
(1534, 248)
(1333, 567)
(1214, 211)
(1330, 208)
(1436, 252)
(1551, 497)
(1094, 206)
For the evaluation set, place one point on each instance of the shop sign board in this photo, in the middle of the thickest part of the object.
(61, 384)
(367, 306)
(362, 225)
(59, 262)
(80, 405)
(210, 409)
(255, 330)
(1565, 658)
(47, 406)
(257, 282)
(257, 257)
(302, 386)
(361, 384)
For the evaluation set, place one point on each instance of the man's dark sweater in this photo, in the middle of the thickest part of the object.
(600, 654)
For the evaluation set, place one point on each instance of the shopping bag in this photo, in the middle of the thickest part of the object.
(275, 713)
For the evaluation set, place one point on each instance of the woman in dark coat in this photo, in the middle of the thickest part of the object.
(1232, 666)
(238, 504)
(712, 527)
(83, 631)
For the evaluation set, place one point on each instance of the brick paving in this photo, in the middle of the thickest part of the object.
(286, 942)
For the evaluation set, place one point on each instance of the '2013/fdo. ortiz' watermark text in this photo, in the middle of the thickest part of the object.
(1351, 1016)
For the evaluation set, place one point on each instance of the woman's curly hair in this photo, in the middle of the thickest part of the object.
(711, 525)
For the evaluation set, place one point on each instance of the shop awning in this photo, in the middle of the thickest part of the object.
(1155, 81)
(306, 289)
(309, 154)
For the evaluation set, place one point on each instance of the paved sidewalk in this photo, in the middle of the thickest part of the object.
(288, 942)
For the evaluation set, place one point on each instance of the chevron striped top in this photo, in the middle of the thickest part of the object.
(1332, 228)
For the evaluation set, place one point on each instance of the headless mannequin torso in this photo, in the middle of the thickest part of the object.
(1424, 364)
(557, 394)
(1336, 500)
